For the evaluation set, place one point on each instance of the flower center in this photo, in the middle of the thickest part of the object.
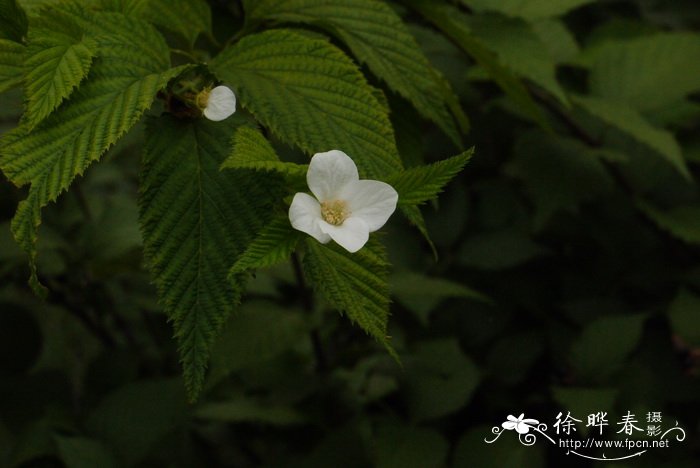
(203, 99)
(334, 212)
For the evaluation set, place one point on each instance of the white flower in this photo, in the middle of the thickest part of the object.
(521, 426)
(346, 209)
(217, 104)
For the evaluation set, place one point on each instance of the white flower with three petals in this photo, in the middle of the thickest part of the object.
(521, 426)
(345, 208)
(217, 104)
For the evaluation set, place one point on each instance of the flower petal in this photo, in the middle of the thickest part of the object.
(371, 200)
(305, 216)
(221, 104)
(329, 172)
(352, 235)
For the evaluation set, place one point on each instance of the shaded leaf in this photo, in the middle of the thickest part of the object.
(647, 72)
(378, 37)
(122, 85)
(684, 313)
(440, 379)
(454, 24)
(59, 55)
(401, 446)
(605, 344)
(558, 174)
(424, 183)
(195, 221)
(529, 9)
(682, 222)
(309, 93)
(355, 284)
(11, 64)
(633, 124)
(251, 150)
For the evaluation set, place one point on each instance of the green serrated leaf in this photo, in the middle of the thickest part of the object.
(121, 86)
(251, 150)
(636, 126)
(649, 72)
(528, 9)
(11, 64)
(309, 93)
(454, 24)
(377, 37)
(196, 220)
(424, 183)
(274, 244)
(59, 55)
(682, 222)
(13, 21)
(355, 284)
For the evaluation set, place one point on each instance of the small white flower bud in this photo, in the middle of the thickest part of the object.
(217, 104)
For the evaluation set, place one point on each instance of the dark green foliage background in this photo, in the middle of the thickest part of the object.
(567, 278)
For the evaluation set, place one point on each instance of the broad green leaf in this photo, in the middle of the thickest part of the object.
(440, 379)
(195, 221)
(59, 55)
(355, 284)
(519, 48)
(274, 244)
(81, 452)
(558, 173)
(121, 85)
(251, 150)
(401, 446)
(11, 64)
(604, 345)
(682, 222)
(250, 410)
(528, 9)
(630, 122)
(649, 72)
(260, 331)
(135, 417)
(309, 93)
(454, 24)
(424, 183)
(188, 18)
(13, 21)
(377, 37)
(684, 314)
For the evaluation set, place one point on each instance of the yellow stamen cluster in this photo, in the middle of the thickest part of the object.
(334, 212)
(203, 98)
